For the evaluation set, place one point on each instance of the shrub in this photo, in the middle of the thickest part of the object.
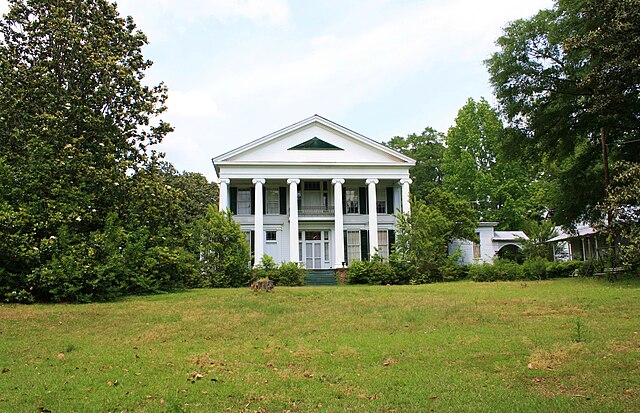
(379, 272)
(357, 272)
(535, 268)
(565, 268)
(289, 274)
(500, 270)
(266, 268)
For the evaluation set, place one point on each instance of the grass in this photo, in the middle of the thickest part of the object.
(563, 346)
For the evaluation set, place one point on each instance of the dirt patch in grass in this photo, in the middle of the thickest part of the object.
(551, 359)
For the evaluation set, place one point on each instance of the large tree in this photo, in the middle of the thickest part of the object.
(427, 149)
(568, 80)
(476, 169)
(76, 126)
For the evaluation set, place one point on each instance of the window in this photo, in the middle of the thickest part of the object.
(351, 200)
(273, 201)
(325, 239)
(244, 202)
(383, 244)
(312, 185)
(353, 246)
(476, 248)
(381, 206)
(271, 236)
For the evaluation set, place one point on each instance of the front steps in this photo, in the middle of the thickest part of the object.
(320, 277)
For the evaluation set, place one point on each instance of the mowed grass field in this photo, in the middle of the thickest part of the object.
(570, 345)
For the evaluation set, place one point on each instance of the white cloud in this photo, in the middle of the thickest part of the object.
(4, 6)
(191, 104)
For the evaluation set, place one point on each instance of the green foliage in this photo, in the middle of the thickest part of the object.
(266, 268)
(477, 170)
(373, 272)
(87, 210)
(423, 236)
(223, 249)
(535, 268)
(289, 274)
(500, 270)
(427, 149)
(564, 78)
(559, 269)
(539, 232)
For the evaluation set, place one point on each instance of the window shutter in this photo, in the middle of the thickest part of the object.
(346, 256)
(392, 240)
(283, 200)
(363, 201)
(364, 244)
(390, 207)
(233, 200)
(253, 247)
(253, 201)
(264, 200)
(344, 203)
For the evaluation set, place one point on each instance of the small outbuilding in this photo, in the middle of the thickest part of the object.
(492, 244)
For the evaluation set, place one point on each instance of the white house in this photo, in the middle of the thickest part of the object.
(316, 193)
(583, 243)
(491, 244)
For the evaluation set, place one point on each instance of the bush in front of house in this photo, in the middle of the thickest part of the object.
(500, 270)
(535, 268)
(559, 269)
(289, 274)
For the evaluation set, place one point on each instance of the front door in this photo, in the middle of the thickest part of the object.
(313, 249)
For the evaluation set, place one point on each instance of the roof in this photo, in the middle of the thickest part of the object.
(581, 230)
(239, 156)
(509, 236)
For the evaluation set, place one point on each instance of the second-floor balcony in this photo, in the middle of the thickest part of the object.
(315, 210)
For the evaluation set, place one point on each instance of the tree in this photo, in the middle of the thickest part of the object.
(421, 248)
(427, 149)
(568, 80)
(76, 127)
(476, 169)
(623, 206)
(224, 251)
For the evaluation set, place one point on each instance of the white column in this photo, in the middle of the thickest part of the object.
(223, 193)
(406, 208)
(259, 221)
(294, 256)
(339, 221)
(373, 216)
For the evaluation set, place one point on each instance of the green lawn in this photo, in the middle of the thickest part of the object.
(554, 346)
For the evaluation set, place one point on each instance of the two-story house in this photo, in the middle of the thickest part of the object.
(315, 193)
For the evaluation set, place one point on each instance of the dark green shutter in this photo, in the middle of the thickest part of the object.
(346, 256)
(363, 201)
(392, 240)
(253, 247)
(264, 200)
(364, 244)
(253, 201)
(233, 200)
(283, 200)
(390, 207)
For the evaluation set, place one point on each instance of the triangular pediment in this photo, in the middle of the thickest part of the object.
(315, 144)
(314, 140)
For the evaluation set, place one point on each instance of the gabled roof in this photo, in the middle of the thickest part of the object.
(341, 135)
(581, 230)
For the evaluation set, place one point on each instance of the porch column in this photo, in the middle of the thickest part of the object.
(373, 216)
(405, 182)
(259, 221)
(293, 220)
(339, 221)
(223, 193)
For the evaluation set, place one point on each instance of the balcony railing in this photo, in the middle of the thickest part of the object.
(315, 210)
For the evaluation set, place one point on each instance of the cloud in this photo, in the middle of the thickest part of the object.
(191, 104)
(4, 6)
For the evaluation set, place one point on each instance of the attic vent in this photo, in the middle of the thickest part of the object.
(315, 144)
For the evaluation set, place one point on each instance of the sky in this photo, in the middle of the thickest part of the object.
(238, 70)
